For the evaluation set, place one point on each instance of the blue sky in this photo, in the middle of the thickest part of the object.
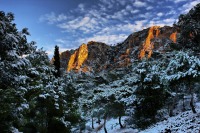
(69, 23)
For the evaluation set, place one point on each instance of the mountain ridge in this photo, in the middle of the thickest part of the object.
(98, 56)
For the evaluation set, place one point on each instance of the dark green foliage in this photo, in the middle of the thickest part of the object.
(56, 61)
(12, 71)
(56, 126)
(100, 80)
(71, 97)
(147, 105)
(150, 95)
(175, 46)
(31, 98)
(190, 29)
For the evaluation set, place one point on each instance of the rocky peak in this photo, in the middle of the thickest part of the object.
(97, 56)
(78, 58)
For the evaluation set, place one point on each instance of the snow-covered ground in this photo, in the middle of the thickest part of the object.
(184, 122)
(112, 126)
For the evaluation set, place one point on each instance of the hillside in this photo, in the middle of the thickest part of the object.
(184, 122)
(97, 56)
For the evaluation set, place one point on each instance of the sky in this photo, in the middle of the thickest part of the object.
(70, 23)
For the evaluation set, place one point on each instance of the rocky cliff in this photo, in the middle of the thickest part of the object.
(97, 56)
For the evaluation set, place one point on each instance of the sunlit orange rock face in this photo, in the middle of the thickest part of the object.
(147, 45)
(96, 56)
(77, 58)
(173, 37)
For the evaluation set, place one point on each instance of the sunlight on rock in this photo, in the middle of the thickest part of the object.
(147, 45)
(173, 36)
(78, 58)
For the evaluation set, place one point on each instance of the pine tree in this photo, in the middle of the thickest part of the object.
(150, 95)
(183, 69)
(190, 29)
(13, 66)
(31, 98)
(56, 62)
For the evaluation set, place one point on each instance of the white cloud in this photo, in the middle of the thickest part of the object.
(119, 28)
(160, 14)
(122, 2)
(60, 41)
(52, 18)
(153, 23)
(149, 8)
(172, 12)
(177, 1)
(138, 3)
(129, 8)
(145, 15)
(108, 39)
(169, 20)
(85, 24)
(134, 11)
(188, 6)
(108, 3)
(120, 14)
(139, 25)
(81, 7)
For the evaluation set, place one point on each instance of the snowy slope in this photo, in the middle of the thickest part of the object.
(185, 122)
(112, 126)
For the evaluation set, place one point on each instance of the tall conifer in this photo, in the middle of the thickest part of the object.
(56, 62)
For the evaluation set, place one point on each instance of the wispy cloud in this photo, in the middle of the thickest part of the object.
(149, 8)
(111, 21)
(138, 3)
(52, 18)
(108, 39)
(160, 14)
(177, 1)
(63, 41)
(186, 7)
(135, 11)
(85, 24)
(81, 7)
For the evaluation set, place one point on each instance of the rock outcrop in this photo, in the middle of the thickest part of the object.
(97, 56)
(147, 46)
(78, 58)
(173, 36)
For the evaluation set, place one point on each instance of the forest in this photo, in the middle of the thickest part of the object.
(38, 96)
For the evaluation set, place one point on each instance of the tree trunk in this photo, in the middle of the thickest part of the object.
(171, 107)
(99, 121)
(183, 104)
(92, 122)
(120, 123)
(191, 104)
(104, 125)
(192, 100)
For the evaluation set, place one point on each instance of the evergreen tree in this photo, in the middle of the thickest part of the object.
(31, 98)
(183, 69)
(190, 29)
(45, 96)
(56, 61)
(13, 45)
(150, 94)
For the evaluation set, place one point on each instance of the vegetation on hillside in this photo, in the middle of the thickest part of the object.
(34, 97)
